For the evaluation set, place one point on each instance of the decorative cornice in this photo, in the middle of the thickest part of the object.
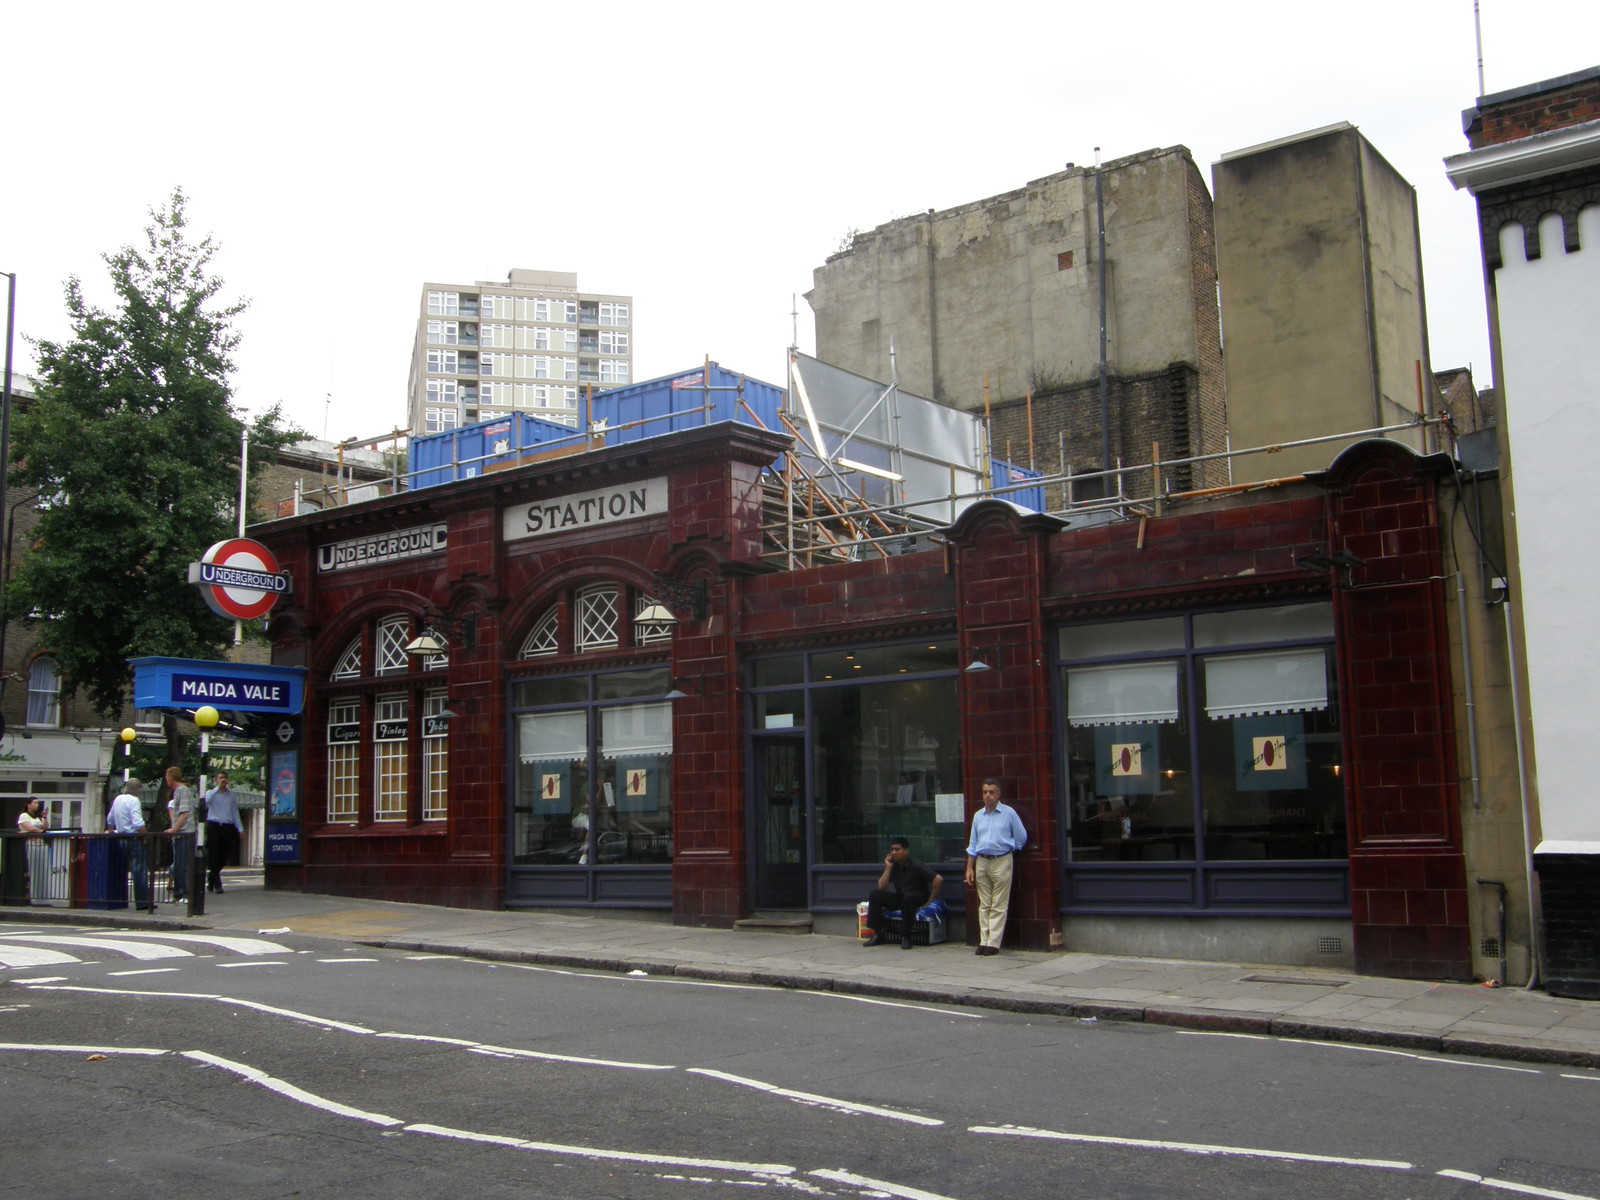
(1533, 157)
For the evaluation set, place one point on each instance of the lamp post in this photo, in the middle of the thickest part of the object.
(205, 719)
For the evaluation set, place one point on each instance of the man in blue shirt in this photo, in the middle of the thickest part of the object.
(223, 828)
(997, 834)
(127, 818)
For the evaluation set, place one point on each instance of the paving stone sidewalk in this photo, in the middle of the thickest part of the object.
(1449, 1018)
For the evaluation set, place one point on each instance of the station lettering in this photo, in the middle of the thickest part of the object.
(586, 510)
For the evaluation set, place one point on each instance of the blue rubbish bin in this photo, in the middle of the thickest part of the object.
(108, 873)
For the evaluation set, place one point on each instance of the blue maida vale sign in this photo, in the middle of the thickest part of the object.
(240, 687)
(282, 847)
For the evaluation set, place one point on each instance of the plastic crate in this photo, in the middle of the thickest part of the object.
(927, 925)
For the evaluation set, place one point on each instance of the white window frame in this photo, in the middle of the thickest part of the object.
(389, 645)
(44, 693)
(614, 314)
(595, 614)
(444, 362)
(543, 640)
(391, 758)
(444, 333)
(444, 304)
(435, 756)
(344, 763)
(349, 664)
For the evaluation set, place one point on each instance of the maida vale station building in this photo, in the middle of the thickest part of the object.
(705, 656)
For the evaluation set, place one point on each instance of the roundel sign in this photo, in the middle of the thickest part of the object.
(239, 579)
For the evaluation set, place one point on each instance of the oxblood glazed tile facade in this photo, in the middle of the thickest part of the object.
(997, 591)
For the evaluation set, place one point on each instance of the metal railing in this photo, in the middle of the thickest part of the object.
(103, 871)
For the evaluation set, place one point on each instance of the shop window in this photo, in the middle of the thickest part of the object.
(44, 693)
(880, 730)
(594, 778)
(1212, 745)
(882, 754)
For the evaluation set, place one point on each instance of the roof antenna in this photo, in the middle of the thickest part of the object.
(1477, 30)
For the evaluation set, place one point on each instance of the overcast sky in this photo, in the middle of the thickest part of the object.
(701, 157)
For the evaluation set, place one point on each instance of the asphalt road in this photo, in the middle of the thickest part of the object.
(134, 1065)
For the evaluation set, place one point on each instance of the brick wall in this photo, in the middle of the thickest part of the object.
(1525, 112)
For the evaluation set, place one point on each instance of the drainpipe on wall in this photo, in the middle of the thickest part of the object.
(1522, 792)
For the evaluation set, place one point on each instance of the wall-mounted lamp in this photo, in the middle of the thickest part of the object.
(654, 618)
(678, 692)
(978, 664)
(464, 629)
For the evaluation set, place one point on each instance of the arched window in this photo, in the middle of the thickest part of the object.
(385, 765)
(541, 640)
(44, 693)
(595, 616)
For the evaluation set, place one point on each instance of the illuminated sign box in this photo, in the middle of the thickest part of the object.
(241, 687)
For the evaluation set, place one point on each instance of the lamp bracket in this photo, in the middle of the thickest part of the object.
(680, 596)
(462, 631)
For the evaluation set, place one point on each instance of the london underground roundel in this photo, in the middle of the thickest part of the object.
(239, 579)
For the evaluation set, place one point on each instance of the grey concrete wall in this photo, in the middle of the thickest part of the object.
(1010, 285)
(1320, 275)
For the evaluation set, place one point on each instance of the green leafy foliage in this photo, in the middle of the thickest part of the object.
(134, 445)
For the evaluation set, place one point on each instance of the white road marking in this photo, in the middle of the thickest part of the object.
(140, 950)
(1190, 1147)
(1507, 1186)
(1588, 1078)
(1412, 1054)
(345, 960)
(269, 1009)
(42, 979)
(878, 1185)
(431, 957)
(288, 1090)
(32, 956)
(239, 945)
(595, 1152)
(60, 1049)
(675, 981)
(257, 963)
(514, 1052)
(811, 1098)
(143, 971)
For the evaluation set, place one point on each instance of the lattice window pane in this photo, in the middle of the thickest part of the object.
(349, 666)
(390, 758)
(344, 762)
(435, 757)
(541, 641)
(393, 634)
(597, 617)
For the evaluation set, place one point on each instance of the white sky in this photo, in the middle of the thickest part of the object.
(702, 157)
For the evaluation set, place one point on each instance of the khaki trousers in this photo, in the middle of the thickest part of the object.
(993, 876)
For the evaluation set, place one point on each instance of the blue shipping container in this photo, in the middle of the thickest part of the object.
(1007, 475)
(468, 452)
(703, 395)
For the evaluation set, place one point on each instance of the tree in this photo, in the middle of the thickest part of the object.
(133, 444)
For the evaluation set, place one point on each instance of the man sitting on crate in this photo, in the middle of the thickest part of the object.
(905, 884)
